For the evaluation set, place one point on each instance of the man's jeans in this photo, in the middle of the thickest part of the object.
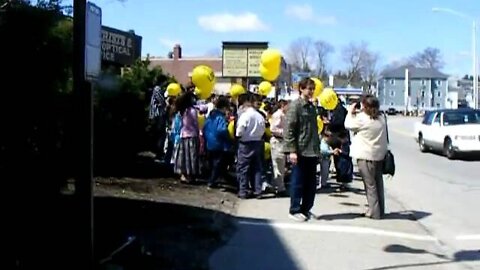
(250, 163)
(303, 185)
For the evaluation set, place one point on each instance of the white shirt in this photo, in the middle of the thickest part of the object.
(277, 123)
(210, 107)
(250, 126)
(370, 140)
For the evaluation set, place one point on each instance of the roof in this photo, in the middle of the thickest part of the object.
(414, 73)
(452, 110)
(244, 44)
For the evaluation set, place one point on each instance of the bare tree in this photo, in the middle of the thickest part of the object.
(397, 64)
(370, 69)
(322, 50)
(355, 57)
(429, 58)
(299, 54)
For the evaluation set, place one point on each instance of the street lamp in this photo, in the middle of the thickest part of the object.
(474, 48)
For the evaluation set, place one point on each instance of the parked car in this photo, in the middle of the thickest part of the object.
(453, 131)
(391, 111)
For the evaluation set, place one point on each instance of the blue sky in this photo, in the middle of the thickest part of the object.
(394, 28)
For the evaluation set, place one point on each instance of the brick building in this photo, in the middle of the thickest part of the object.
(181, 67)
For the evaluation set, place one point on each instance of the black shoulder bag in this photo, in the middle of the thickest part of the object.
(389, 161)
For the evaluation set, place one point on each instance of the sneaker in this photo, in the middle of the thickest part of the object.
(310, 215)
(281, 194)
(212, 186)
(299, 217)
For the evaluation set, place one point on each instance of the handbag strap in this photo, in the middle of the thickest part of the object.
(386, 127)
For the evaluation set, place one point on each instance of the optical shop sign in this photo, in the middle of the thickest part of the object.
(120, 47)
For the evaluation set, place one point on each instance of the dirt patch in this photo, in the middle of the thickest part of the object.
(159, 223)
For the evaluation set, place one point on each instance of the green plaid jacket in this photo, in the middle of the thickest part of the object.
(301, 133)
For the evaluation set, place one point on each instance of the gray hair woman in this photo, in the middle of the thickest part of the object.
(369, 147)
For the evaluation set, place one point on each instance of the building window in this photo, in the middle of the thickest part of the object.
(438, 105)
(392, 93)
(424, 82)
(392, 81)
(392, 104)
(439, 83)
(439, 94)
(423, 93)
(423, 104)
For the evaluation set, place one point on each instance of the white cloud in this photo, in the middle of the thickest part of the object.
(307, 13)
(168, 43)
(227, 22)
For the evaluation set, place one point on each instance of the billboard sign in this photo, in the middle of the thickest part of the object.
(235, 62)
(120, 47)
(242, 59)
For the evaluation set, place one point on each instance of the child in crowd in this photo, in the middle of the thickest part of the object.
(326, 153)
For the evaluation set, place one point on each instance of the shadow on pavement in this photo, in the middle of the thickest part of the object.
(341, 216)
(350, 204)
(460, 256)
(403, 215)
(337, 195)
(255, 245)
(135, 234)
(407, 215)
(460, 157)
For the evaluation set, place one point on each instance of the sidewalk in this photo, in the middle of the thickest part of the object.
(339, 238)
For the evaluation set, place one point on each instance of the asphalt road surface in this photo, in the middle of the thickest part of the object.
(445, 193)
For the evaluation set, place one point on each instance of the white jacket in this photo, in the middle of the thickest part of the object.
(370, 140)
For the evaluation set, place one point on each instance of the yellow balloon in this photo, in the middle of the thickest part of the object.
(328, 99)
(201, 120)
(203, 77)
(202, 93)
(271, 59)
(264, 88)
(269, 74)
(319, 124)
(318, 87)
(236, 90)
(268, 151)
(268, 133)
(231, 129)
(174, 89)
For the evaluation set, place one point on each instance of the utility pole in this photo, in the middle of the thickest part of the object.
(84, 142)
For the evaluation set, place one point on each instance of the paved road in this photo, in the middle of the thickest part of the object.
(448, 191)
(433, 221)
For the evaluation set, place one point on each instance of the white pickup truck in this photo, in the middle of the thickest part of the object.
(451, 131)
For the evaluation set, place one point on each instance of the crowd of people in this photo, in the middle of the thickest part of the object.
(253, 136)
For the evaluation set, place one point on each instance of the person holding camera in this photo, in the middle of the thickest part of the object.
(369, 147)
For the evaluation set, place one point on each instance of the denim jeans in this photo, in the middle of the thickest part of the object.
(218, 166)
(303, 185)
(250, 163)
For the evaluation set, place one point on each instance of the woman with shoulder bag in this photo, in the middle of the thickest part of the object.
(369, 147)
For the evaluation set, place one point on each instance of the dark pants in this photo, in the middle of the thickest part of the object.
(218, 166)
(303, 185)
(249, 163)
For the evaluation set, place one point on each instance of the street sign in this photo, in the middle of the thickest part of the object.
(93, 41)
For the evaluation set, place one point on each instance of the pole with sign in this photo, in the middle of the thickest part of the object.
(87, 57)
